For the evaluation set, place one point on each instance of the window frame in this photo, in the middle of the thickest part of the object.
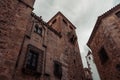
(32, 60)
(38, 29)
(39, 62)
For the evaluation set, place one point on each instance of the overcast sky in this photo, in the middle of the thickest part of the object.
(82, 13)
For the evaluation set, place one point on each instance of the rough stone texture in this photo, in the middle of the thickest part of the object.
(63, 50)
(107, 34)
(17, 31)
(13, 20)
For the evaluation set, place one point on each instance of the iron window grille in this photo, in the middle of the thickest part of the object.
(33, 61)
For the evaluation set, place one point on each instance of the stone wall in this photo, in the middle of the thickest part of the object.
(107, 36)
(57, 43)
(13, 20)
(64, 50)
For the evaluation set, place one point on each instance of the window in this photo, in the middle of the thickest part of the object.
(118, 67)
(73, 39)
(38, 30)
(74, 61)
(64, 21)
(89, 58)
(54, 21)
(71, 27)
(103, 56)
(31, 61)
(118, 14)
(57, 69)
(32, 58)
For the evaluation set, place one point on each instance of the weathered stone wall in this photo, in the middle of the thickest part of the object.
(107, 36)
(64, 51)
(17, 31)
(36, 40)
(13, 20)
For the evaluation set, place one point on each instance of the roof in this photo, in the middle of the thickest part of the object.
(59, 13)
(99, 21)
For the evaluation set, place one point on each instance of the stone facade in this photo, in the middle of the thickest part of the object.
(31, 49)
(105, 44)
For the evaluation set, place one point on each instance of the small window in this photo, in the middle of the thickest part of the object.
(38, 30)
(73, 39)
(89, 58)
(54, 21)
(118, 67)
(64, 21)
(103, 56)
(118, 14)
(74, 61)
(71, 27)
(57, 69)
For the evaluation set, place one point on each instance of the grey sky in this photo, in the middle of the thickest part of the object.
(82, 13)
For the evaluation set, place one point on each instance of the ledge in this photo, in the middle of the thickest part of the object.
(26, 4)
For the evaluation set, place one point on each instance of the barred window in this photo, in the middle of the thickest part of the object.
(33, 61)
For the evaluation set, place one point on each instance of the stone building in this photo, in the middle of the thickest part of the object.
(31, 49)
(105, 44)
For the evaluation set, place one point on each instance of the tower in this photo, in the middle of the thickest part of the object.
(68, 53)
